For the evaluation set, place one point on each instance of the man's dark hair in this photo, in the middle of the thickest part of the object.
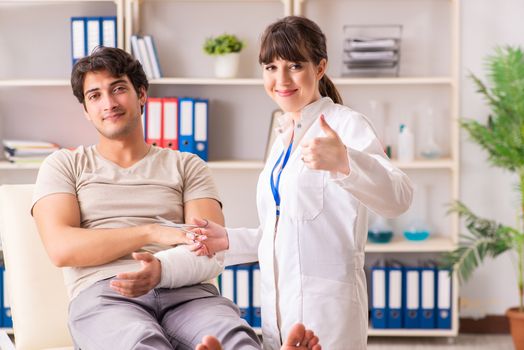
(117, 62)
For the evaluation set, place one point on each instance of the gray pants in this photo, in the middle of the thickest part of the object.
(100, 318)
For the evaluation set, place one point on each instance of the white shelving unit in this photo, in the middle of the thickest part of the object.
(36, 100)
(419, 80)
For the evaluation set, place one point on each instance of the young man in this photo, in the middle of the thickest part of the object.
(97, 209)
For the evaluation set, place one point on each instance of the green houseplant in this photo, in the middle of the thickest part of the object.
(225, 48)
(502, 136)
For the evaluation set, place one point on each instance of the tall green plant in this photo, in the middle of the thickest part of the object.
(502, 136)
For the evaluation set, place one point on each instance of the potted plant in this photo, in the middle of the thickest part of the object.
(226, 49)
(502, 136)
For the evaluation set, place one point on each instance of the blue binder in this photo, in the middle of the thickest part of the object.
(428, 287)
(256, 316)
(108, 31)
(411, 288)
(5, 307)
(200, 127)
(186, 138)
(243, 294)
(394, 297)
(78, 38)
(378, 297)
(444, 289)
(226, 283)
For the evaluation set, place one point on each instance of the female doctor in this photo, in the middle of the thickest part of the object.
(323, 173)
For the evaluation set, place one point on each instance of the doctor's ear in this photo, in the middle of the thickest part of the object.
(321, 68)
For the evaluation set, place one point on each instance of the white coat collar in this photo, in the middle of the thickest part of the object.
(308, 115)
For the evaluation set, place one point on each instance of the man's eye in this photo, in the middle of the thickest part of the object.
(92, 97)
(119, 89)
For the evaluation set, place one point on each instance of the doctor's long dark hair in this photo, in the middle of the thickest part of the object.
(297, 39)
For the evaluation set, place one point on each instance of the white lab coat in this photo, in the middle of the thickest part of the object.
(312, 267)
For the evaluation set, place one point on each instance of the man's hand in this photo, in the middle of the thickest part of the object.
(169, 235)
(210, 238)
(325, 153)
(135, 284)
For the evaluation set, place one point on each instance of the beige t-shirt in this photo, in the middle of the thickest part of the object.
(110, 196)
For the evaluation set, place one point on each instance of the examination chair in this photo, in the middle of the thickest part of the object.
(35, 287)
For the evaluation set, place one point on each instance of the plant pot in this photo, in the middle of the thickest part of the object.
(516, 324)
(226, 66)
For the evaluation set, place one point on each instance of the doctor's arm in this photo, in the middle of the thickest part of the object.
(364, 171)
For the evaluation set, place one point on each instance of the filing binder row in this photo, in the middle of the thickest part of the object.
(144, 50)
(89, 32)
(410, 297)
(177, 123)
(241, 284)
(5, 307)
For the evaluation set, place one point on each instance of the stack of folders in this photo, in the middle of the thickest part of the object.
(410, 297)
(241, 284)
(368, 56)
(89, 32)
(144, 50)
(5, 308)
(179, 123)
(20, 151)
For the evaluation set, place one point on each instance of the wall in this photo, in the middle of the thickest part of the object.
(488, 191)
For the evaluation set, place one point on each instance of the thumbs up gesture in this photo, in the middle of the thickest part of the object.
(327, 152)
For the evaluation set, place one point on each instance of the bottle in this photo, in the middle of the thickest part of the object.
(380, 231)
(406, 144)
(430, 148)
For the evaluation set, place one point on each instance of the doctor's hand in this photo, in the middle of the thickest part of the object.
(135, 284)
(327, 152)
(209, 238)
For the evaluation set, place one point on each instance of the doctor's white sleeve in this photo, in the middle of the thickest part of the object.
(181, 267)
(373, 180)
(243, 245)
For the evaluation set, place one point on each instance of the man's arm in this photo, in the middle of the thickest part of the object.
(57, 218)
(175, 267)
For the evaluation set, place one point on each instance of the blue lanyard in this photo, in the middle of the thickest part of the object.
(274, 188)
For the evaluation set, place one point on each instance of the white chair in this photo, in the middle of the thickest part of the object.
(36, 289)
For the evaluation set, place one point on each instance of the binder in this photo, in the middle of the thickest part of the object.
(146, 62)
(227, 283)
(427, 302)
(78, 38)
(144, 122)
(443, 299)
(186, 141)
(5, 309)
(170, 123)
(154, 121)
(108, 31)
(411, 297)
(256, 316)
(201, 122)
(394, 297)
(378, 297)
(7, 320)
(153, 56)
(94, 34)
(135, 50)
(243, 291)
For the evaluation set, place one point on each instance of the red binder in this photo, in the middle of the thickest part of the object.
(154, 121)
(170, 123)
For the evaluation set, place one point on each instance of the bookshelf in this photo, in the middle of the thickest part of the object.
(36, 100)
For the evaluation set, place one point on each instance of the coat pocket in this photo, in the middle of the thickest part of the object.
(310, 196)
